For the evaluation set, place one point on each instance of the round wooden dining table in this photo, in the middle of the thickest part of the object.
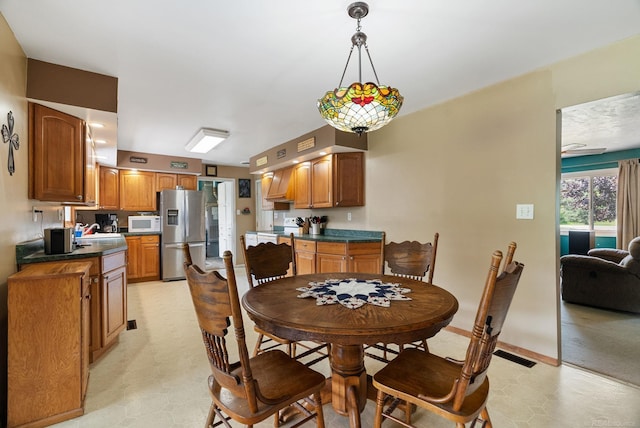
(276, 308)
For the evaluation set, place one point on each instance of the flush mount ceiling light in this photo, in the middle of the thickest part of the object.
(361, 107)
(206, 139)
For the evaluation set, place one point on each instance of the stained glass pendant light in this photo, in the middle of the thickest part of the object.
(360, 107)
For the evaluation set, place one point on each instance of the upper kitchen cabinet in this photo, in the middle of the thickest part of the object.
(61, 158)
(109, 195)
(330, 181)
(165, 180)
(188, 181)
(137, 190)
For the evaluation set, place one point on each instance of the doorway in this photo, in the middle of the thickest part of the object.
(219, 219)
(591, 338)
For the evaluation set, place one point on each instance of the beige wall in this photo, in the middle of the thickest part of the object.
(460, 168)
(16, 224)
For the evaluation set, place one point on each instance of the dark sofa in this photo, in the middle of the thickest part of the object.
(605, 278)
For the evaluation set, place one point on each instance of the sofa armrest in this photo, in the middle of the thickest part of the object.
(612, 254)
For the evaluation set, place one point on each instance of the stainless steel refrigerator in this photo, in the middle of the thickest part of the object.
(182, 217)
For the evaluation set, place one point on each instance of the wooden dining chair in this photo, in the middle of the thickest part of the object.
(248, 390)
(455, 390)
(408, 259)
(268, 262)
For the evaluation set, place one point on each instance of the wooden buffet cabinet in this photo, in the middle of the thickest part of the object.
(48, 343)
(332, 256)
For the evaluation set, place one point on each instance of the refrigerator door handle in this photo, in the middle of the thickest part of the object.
(200, 244)
(173, 245)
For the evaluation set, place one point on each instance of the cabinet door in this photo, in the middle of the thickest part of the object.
(166, 180)
(133, 257)
(150, 257)
(348, 179)
(137, 190)
(56, 155)
(302, 185)
(305, 262)
(365, 263)
(321, 182)
(188, 181)
(114, 300)
(109, 196)
(86, 332)
(331, 263)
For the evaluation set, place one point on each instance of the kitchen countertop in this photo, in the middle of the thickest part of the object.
(330, 235)
(33, 251)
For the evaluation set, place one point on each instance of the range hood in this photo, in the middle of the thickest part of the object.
(281, 189)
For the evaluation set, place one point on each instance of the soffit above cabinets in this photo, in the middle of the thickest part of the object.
(306, 147)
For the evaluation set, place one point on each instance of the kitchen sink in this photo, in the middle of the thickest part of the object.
(101, 236)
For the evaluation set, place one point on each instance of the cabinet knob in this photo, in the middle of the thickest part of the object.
(79, 197)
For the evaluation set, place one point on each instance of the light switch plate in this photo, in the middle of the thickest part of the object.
(524, 211)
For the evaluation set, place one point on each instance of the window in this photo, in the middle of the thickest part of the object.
(588, 200)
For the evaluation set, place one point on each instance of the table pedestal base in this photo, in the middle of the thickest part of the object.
(347, 367)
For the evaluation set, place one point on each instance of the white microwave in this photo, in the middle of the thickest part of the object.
(144, 223)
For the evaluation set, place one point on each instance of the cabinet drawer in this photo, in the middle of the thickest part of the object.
(113, 261)
(304, 245)
(332, 248)
(150, 239)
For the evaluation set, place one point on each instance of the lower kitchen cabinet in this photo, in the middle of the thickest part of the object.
(305, 256)
(48, 343)
(144, 258)
(109, 302)
(327, 256)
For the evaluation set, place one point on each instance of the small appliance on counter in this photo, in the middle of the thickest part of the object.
(58, 240)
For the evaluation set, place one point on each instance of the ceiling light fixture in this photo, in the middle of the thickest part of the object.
(206, 139)
(361, 107)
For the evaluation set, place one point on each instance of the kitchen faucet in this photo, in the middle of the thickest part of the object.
(87, 230)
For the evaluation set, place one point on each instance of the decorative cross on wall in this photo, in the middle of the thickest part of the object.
(14, 142)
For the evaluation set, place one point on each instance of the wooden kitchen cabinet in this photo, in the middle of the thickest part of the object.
(109, 194)
(137, 190)
(144, 258)
(169, 181)
(114, 296)
(61, 159)
(48, 343)
(357, 257)
(166, 181)
(109, 301)
(305, 256)
(335, 180)
(188, 181)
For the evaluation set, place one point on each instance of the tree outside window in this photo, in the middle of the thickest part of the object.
(588, 201)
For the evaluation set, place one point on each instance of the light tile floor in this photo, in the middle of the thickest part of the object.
(156, 377)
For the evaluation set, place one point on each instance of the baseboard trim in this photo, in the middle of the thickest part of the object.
(511, 348)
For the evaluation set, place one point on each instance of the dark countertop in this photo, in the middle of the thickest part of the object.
(33, 251)
(330, 235)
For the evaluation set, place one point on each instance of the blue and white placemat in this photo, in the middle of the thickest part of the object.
(353, 292)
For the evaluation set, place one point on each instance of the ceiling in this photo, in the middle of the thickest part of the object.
(256, 68)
